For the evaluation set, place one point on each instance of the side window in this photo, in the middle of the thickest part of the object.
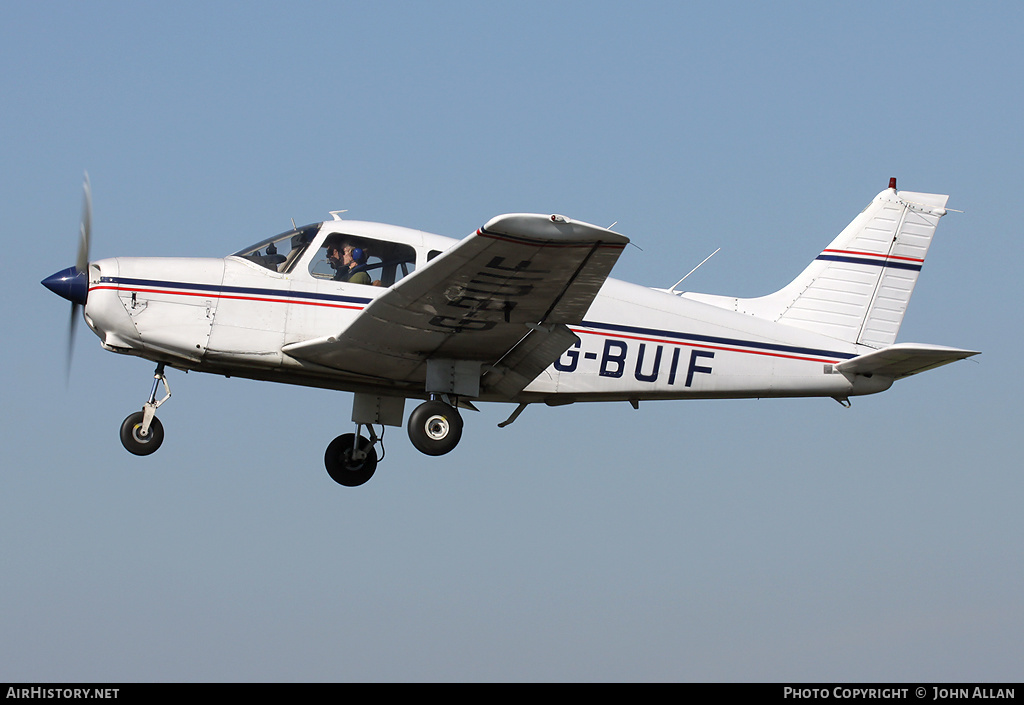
(358, 260)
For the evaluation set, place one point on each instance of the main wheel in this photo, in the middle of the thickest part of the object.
(133, 440)
(340, 465)
(435, 428)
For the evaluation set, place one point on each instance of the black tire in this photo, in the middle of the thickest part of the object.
(134, 442)
(435, 428)
(341, 467)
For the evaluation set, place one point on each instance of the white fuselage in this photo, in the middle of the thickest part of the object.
(232, 316)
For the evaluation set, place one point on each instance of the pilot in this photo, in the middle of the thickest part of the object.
(349, 263)
(334, 258)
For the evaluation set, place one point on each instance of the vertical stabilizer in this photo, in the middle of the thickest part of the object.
(858, 288)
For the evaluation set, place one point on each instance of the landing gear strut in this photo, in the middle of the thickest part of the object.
(435, 428)
(142, 433)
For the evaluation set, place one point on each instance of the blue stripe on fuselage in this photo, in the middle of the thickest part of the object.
(240, 290)
(715, 340)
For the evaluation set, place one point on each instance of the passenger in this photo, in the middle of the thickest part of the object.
(355, 259)
(349, 264)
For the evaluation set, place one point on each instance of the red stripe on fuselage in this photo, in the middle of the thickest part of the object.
(208, 295)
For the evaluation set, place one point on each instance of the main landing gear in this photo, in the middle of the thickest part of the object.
(351, 458)
(142, 433)
(435, 428)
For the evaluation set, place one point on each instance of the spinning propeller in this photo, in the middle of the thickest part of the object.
(73, 283)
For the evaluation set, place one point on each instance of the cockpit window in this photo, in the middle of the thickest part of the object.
(359, 260)
(279, 253)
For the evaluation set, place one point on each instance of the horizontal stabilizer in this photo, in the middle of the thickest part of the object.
(903, 360)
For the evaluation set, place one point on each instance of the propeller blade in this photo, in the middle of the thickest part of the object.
(72, 325)
(81, 267)
(85, 228)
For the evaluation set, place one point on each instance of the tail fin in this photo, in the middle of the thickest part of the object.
(858, 288)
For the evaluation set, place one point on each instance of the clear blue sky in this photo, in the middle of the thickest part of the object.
(731, 540)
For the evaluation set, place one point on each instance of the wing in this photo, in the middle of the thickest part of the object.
(502, 297)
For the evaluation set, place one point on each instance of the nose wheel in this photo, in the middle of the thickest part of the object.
(138, 441)
(142, 433)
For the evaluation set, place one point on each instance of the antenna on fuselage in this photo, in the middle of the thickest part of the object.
(673, 289)
(337, 214)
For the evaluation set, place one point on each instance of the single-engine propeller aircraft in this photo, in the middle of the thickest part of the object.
(521, 311)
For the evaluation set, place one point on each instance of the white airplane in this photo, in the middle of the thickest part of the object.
(521, 311)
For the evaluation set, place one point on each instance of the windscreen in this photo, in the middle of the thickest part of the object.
(279, 253)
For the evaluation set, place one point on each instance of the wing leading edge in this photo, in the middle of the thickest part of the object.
(502, 297)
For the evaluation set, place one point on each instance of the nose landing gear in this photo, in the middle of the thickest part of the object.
(142, 433)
